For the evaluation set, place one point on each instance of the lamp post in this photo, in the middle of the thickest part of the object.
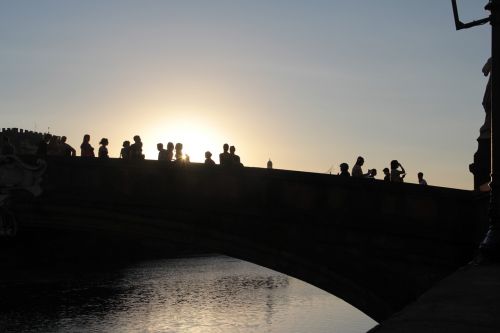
(490, 246)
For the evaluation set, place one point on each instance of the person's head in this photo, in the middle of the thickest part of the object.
(225, 147)
(208, 154)
(373, 172)
(360, 160)
(63, 139)
(137, 138)
(103, 142)
(86, 138)
(170, 146)
(159, 146)
(344, 167)
(47, 137)
(420, 175)
(394, 164)
(178, 146)
(126, 144)
(232, 149)
(386, 171)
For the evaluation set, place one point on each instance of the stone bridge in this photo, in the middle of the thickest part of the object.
(376, 245)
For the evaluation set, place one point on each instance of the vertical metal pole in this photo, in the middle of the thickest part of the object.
(490, 247)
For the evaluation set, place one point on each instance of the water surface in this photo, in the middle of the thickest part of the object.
(214, 294)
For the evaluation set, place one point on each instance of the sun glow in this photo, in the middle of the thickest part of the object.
(196, 135)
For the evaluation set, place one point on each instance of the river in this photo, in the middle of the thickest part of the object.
(209, 294)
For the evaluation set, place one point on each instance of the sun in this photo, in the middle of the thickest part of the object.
(196, 136)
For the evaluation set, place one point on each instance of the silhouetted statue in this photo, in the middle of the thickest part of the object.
(7, 147)
(235, 159)
(86, 150)
(421, 179)
(485, 130)
(162, 152)
(66, 149)
(170, 151)
(396, 174)
(344, 170)
(482, 158)
(136, 149)
(125, 151)
(387, 175)
(224, 157)
(269, 164)
(357, 171)
(103, 149)
(371, 174)
(41, 150)
(208, 159)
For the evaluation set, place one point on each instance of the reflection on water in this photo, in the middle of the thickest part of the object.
(207, 294)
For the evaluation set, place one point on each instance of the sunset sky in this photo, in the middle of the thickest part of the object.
(309, 84)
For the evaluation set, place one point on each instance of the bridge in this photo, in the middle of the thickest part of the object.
(376, 245)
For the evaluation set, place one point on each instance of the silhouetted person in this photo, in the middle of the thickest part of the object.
(208, 159)
(371, 174)
(387, 175)
(41, 150)
(170, 151)
(162, 152)
(103, 149)
(86, 150)
(136, 149)
(344, 170)
(125, 151)
(178, 152)
(421, 179)
(224, 157)
(66, 149)
(54, 146)
(235, 159)
(396, 174)
(7, 147)
(357, 171)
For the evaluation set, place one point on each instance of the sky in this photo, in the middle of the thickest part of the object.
(308, 84)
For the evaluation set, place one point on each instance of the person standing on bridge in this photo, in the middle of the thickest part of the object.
(66, 149)
(235, 159)
(208, 159)
(136, 149)
(170, 151)
(86, 150)
(125, 151)
(356, 169)
(224, 157)
(344, 170)
(162, 152)
(178, 153)
(103, 150)
(387, 175)
(421, 179)
(397, 175)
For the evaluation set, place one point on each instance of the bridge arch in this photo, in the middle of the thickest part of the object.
(378, 256)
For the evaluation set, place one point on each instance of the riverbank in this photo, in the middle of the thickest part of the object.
(466, 301)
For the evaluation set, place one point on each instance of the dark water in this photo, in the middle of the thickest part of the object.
(213, 294)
